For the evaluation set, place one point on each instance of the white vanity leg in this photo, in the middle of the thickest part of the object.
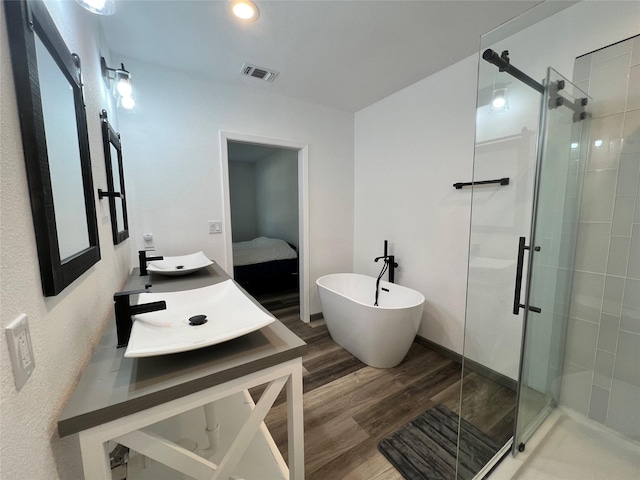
(95, 458)
(295, 423)
(248, 429)
(212, 427)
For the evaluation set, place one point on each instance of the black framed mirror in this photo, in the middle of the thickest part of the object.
(56, 144)
(115, 181)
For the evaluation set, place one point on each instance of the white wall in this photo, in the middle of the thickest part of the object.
(277, 196)
(409, 150)
(264, 197)
(411, 146)
(65, 328)
(172, 155)
(242, 192)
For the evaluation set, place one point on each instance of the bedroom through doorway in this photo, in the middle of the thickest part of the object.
(266, 222)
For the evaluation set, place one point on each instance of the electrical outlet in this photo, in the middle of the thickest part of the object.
(215, 227)
(20, 350)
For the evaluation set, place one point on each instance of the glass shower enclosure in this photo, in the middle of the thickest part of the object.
(552, 327)
(526, 191)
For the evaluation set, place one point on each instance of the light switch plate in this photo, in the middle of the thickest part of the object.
(215, 227)
(20, 350)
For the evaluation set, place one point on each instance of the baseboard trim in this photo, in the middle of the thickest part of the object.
(470, 364)
(445, 352)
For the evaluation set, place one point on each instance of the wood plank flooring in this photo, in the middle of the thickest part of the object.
(349, 407)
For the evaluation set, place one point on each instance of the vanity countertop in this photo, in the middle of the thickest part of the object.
(112, 386)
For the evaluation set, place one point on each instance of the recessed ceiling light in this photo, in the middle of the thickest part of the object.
(245, 10)
(101, 7)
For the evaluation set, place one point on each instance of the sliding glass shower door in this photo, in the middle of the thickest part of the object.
(544, 303)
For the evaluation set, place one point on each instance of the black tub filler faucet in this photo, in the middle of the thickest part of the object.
(389, 263)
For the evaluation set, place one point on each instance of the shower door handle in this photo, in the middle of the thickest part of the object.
(518, 290)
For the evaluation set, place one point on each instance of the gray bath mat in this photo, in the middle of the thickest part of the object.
(425, 448)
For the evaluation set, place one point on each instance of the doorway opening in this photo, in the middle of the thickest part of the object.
(265, 184)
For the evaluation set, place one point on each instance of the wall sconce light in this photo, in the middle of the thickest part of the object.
(499, 101)
(101, 7)
(122, 88)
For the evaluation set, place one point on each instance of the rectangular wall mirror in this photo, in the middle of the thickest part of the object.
(56, 145)
(115, 181)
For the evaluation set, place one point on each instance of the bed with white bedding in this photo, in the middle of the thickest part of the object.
(265, 265)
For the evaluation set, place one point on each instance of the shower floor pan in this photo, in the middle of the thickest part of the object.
(568, 446)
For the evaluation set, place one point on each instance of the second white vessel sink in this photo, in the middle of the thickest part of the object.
(228, 312)
(179, 265)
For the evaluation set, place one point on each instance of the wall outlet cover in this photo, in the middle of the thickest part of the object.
(147, 239)
(20, 350)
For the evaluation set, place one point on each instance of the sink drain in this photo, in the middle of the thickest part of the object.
(198, 320)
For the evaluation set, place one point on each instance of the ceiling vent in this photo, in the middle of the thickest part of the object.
(259, 72)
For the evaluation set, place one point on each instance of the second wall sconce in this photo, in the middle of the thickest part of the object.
(122, 88)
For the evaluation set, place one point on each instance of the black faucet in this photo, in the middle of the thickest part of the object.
(389, 260)
(124, 310)
(143, 259)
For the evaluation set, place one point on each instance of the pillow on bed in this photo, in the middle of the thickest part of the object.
(260, 250)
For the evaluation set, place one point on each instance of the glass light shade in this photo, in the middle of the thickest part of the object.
(101, 7)
(123, 86)
(127, 103)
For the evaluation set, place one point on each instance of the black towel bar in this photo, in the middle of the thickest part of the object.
(501, 181)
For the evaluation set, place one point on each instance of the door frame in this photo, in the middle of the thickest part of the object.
(303, 205)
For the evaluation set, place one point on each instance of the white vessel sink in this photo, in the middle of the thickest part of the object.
(179, 265)
(229, 313)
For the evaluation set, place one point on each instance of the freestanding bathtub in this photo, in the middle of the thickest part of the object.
(378, 336)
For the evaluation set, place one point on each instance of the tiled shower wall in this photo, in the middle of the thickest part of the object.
(602, 355)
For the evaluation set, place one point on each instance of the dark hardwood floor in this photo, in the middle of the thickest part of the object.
(349, 407)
